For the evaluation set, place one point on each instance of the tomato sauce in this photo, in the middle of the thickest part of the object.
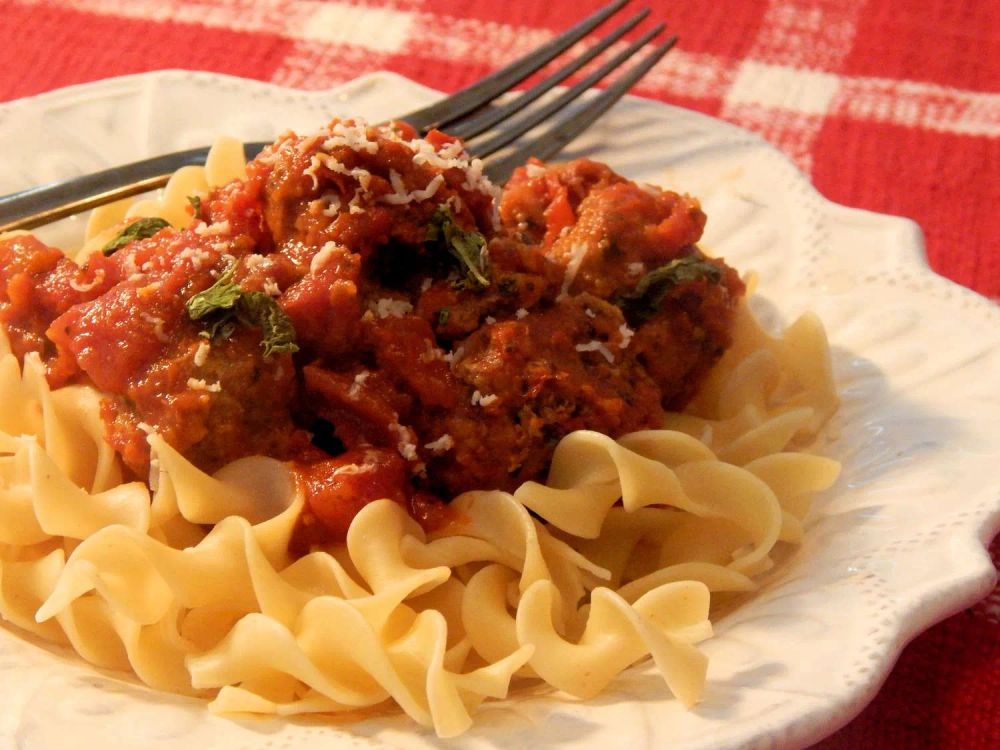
(395, 328)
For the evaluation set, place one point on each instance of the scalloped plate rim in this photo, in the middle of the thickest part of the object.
(916, 612)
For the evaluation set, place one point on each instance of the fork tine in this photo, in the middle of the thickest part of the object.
(515, 130)
(559, 136)
(43, 204)
(475, 96)
(473, 126)
(57, 200)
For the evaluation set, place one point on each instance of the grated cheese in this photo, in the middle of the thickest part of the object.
(355, 390)
(534, 170)
(484, 399)
(521, 313)
(97, 280)
(442, 445)
(626, 334)
(130, 268)
(352, 469)
(197, 255)
(201, 354)
(333, 204)
(157, 324)
(578, 251)
(352, 135)
(452, 358)
(596, 346)
(219, 227)
(271, 288)
(314, 163)
(322, 259)
(406, 446)
(396, 308)
(400, 196)
(197, 384)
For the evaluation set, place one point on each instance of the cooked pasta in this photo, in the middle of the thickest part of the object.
(188, 580)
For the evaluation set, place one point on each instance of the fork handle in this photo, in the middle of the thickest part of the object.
(35, 206)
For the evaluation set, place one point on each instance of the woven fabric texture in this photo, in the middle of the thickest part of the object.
(888, 105)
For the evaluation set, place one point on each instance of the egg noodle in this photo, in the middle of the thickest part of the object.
(187, 580)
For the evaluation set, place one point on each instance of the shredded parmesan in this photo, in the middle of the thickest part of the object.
(534, 170)
(157, 324)
(596, 346)
(353, 135)
(201, 354)
(351, 469)
(442, 445)
(314, 163)
(321, 259)
(130, 267)
(355, 390)
(387, 307)
(333, 204)
(197, 255)
(219, 227)
(626, 334)
(484, 399)
(96, 281)
(578, 251)
(431, 353)
(406, 446)
(635, 269)
(521, 313)
(197, 384)
(271, 288)
(401, 196)
(453, 358)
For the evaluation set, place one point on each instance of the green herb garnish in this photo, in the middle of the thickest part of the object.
(195, 201)
(468, 248)
(137, 230)
(443, 314)
(224, 305)
(644, 301)
(277, 331)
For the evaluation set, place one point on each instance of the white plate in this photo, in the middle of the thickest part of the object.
(897, 545)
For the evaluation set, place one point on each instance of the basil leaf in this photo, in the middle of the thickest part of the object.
(277, 331)
(468, 248)
(644, 301)
(224, 304)
(222, 295)
(137, 230)
(195, 201)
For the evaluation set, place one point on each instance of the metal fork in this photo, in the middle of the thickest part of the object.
(467, 114)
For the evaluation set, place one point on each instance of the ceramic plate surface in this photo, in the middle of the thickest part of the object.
(895, 546)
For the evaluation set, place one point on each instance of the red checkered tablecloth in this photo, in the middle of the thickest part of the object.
(889, 105)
